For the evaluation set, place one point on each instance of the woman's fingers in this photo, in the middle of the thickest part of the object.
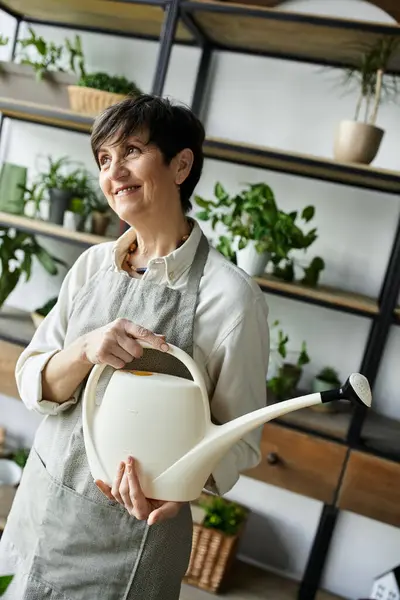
(143, 334)
(115, 490)
(103, 487)
(140, 506)
(168, 510)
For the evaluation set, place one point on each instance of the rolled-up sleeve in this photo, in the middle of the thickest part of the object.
(239, 366)
(47, 340)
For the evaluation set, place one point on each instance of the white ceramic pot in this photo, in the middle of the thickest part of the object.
(10, 472)
(357, 142)
(252, 262)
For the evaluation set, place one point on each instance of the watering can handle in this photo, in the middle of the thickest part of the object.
(89, 400)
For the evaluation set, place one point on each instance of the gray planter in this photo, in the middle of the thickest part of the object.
(59, 202)
(18, 82)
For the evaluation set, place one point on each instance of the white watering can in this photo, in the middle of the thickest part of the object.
(164, 422)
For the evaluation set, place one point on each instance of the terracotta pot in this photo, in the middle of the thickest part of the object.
(100, 222)
(357, 142)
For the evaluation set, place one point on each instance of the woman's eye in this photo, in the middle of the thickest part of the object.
(104, 160)
(132, 150)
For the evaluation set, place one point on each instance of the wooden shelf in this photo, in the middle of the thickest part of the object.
(304, 165)
(51, 230)
(250, 583)
(333, 425)
(381, 434)
(16, 326)
(286, 34)
(321, 295)
(140, 18)
(45, 115)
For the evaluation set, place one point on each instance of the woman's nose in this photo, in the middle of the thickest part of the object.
(117, 170)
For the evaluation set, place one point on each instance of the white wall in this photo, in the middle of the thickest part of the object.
(293, 107)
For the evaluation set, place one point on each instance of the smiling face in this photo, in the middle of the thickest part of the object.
(136, 180)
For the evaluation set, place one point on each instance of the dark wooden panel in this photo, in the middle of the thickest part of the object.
(371, 487)
(128, 17)
(392, 7)
(299, 462)
(308, 37)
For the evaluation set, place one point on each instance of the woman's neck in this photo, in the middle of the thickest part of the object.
(160, 239)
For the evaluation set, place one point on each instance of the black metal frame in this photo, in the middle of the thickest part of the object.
(380, 325)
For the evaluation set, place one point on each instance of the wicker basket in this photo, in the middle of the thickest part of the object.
(89, 101)
(211, 558)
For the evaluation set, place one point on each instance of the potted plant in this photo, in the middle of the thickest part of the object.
(68, 189)
(358, 141)
(17, 252)
(284, 384)
(216, 536)
(326, 379)
(95, 92)
(100, 213)
(258, 232)
(53, 66)
(40, 313)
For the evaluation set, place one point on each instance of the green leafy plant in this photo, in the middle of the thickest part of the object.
(254, 215)
(375, 85)
(3, 40)
(223, 515)
(47, 307)
(284, 383)
(60, 174)
(329, 375)
(47, 56)
(109, 83)
(20, 456)
(5, 581)
(17, 251)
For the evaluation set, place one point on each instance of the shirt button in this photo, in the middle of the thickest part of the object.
(171, 274)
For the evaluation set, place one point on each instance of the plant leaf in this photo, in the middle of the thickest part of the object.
(308, 213)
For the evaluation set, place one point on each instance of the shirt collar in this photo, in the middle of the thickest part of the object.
(175, 263)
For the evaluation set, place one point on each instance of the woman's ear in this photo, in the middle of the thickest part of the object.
(184, 162)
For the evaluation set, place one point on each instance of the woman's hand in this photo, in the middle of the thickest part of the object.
(127, 491)
(115, 344)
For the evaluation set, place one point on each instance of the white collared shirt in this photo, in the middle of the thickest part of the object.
(230, 341)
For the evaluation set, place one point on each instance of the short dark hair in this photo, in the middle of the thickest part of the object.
(171, 128)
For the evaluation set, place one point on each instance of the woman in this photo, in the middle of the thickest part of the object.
(67, 536)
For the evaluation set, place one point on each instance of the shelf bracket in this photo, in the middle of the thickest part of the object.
(166, 41)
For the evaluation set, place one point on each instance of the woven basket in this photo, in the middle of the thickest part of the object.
(89, 101)
(211, 558)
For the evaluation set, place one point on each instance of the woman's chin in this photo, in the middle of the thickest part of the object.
(128, 211)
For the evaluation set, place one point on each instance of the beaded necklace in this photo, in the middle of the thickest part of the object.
(133, 247)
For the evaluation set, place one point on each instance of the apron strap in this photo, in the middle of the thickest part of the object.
(197, 268)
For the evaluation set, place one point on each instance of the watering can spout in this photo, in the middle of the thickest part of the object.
(197, 465)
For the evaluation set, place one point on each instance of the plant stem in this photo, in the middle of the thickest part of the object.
(358, 107)
(378, 91)
(367, 107)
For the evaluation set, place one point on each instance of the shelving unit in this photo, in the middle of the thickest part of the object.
(350, 439)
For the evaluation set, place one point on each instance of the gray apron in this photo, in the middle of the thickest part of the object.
(64, 540)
